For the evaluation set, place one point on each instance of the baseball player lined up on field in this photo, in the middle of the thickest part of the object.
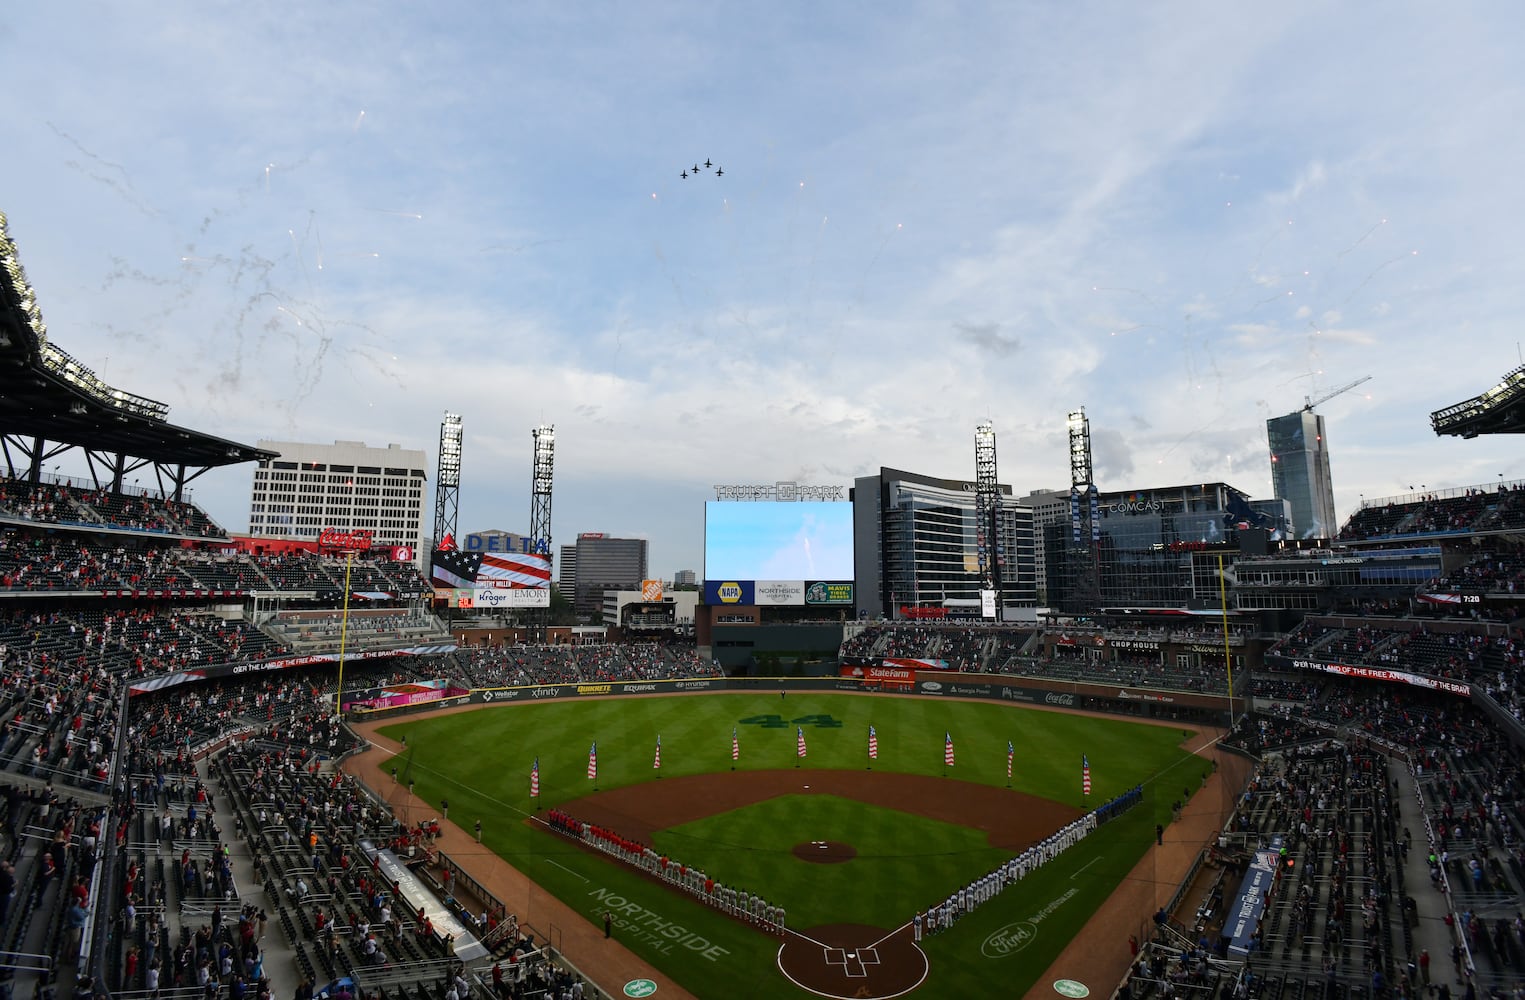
(746, 906)
(964, 900)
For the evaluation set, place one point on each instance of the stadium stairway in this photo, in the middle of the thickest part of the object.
(1427, 914)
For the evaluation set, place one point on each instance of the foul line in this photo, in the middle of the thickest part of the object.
(565, 869)
(472, 790)
(892, 934)
(819, 944)
(1084, 867)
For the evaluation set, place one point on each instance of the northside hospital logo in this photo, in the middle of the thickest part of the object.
(729, 592)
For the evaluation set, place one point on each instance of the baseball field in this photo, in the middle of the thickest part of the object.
(850, 846)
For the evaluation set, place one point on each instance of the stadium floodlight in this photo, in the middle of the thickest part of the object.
(1496, 411)
(541, 483)
(20, 288)
(60, 363)
(447, 482)
(1081, 471)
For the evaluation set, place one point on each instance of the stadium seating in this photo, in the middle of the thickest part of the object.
(66, 502)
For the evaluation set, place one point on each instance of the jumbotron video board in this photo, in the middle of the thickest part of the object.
(779, 553)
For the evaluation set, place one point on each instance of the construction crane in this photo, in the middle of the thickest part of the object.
(1309, 402)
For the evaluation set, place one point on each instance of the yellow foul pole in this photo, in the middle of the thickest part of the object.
(1228, 660)
(349, 562)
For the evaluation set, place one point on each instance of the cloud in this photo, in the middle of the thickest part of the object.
(987, 338)
(1100, 218)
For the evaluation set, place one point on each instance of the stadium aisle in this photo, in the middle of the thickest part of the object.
(279, 955)
(1431, 904)
(607, 962)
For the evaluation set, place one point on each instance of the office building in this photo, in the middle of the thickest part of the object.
(1048, 507)
(916, 546)
(1300, 473)
(346, 486)
(1152, 549)
(599, 562)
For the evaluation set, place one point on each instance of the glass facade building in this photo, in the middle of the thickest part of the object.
(598, 563)
(1300, 472)
(916, 544)
(1153, 549)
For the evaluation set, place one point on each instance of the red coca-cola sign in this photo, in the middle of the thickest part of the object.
(355, 541)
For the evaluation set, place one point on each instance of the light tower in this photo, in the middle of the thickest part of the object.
(447, 483)
(987, 506)
(540, 487)
(1085, 516)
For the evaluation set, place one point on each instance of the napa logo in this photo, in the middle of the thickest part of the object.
(730, 592)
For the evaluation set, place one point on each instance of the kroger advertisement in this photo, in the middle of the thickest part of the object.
(494, 598)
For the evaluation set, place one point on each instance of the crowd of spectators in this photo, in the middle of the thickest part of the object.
(509, 666)
(1474, 509)
(61, 502)
(36, 561)
(1491, 656)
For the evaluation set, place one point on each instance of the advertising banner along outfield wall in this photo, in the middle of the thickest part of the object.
(1062, 694)
(397, 695)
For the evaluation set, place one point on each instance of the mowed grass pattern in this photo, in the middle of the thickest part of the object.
(903, 861)
(481, 761)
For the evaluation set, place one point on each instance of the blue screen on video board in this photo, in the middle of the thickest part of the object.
(772, 540)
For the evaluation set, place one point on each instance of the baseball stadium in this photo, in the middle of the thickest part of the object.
(348, 769)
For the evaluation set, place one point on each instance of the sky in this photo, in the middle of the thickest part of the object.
(341, 220)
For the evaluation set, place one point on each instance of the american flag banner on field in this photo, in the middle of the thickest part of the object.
(656, 762)
(1085, 775)
(1011, 752)
(800, 750)
(535, 779)
(735, 746)
(873, 744)
(948, 751)
(593, 760)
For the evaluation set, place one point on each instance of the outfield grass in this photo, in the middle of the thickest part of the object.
(481, 761)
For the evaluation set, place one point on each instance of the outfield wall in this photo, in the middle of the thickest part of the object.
(1148, 703)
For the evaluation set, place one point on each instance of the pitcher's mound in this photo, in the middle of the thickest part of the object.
(825, 852)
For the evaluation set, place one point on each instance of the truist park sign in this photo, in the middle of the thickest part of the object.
(784, 492)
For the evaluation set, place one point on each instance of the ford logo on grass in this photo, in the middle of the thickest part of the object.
(1009, 940)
